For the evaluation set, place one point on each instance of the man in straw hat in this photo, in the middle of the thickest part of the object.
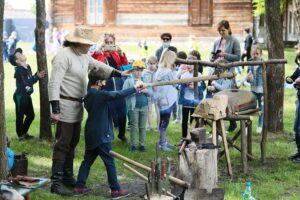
(67, 87)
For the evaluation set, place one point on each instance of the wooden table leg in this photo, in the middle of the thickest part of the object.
(221, 121)
(214, 132)
(244, 147)
(249, 139)
(26, 197)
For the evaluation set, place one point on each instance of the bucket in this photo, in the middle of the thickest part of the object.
(20, 165)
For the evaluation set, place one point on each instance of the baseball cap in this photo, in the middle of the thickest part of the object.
(12, 58)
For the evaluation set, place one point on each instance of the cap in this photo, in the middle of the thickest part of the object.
(166, 35)
(138, 64)
(12, 58)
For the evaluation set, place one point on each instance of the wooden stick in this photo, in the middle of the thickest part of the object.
(142, 176)
(239, 117)
(189, 80)
(249, 111)
(145, 178)
(171, 178)
(231, 64)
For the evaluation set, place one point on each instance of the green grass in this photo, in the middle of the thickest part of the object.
(277, 179)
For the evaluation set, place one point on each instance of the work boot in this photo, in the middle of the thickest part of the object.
(68, 178)
(57, 180)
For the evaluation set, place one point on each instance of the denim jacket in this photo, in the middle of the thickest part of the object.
(131, 99)
(190, 103)
(257, 76)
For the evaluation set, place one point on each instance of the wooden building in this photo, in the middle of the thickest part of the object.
(149, 18)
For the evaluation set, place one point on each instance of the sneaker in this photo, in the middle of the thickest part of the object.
(292, 157)
(132, 148)
(259, 130)
(149, 129)
(23, 137)
(28, 137)
(81, 191)
(165, 148)
(123, 139)
(142, 148)
(296, 160)
(118, 194)
(170, 146)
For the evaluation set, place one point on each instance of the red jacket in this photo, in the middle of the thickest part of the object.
(120, 60)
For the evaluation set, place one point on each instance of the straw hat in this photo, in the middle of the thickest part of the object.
(82, 34)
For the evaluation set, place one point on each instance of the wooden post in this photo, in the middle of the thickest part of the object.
(243, 146)
(263, 143)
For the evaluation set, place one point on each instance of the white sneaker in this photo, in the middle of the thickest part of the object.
(259, 130)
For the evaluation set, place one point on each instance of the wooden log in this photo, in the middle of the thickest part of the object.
(189, 80)
(231, 64)
(171, 178)
(199, 167)
(202, 194)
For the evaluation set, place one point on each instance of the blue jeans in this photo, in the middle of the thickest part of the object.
(261, 108)
(109, 162)
(297, 126)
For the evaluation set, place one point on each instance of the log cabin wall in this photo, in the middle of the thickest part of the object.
(149, 18)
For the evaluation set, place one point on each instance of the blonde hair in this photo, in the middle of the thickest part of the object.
(167, 59)
(153, 59)
(256, 48)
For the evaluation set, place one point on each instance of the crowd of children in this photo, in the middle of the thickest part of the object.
(138, 100)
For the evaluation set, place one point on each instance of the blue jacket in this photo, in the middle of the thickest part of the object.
(24, 80)
(191, 103)
(257, 76)
(98, 127)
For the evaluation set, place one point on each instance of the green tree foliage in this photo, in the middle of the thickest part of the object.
(259, 7)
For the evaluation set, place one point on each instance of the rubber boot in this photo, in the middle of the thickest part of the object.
(68, 178)
(57, 180)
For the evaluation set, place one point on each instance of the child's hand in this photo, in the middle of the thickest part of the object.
(191, 85)
(249, 77)
(140, 85)
(41, 74)
(289, 80)
(297, 81)
(213, 83)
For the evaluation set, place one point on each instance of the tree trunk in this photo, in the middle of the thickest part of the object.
(275, 73)
(45, 124)
(3, 152)
(296, 8)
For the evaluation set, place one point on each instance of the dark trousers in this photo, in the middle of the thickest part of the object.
(118, 111)
(24, 108)
(297, 126)
(109, 162)
(67, 137)
(186, 113)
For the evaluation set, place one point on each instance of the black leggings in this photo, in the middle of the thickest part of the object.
(24, 107)
(186, 112)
